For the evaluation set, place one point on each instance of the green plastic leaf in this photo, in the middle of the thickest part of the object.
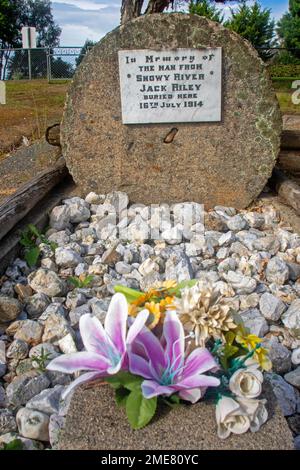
(32, 255)
(121, 396)
(228, 351)
(139, 409)
(177, 290)
(130, 294)
(126, 380)
(230, 337)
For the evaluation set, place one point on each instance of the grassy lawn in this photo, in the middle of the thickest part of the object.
(284, 91)
(34, 105)
(31, 107)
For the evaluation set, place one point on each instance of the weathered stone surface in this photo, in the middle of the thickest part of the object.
(33, 424)
(10, 308)
(94, 421)
(24, 387)
(236, 157)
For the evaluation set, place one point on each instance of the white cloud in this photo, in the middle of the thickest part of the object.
(80, 24)
(83, 4)
(76, 35)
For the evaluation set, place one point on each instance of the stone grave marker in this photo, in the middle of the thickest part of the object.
(169, 108)
(95, 422)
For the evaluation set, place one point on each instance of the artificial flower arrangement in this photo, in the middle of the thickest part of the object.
(174, 343)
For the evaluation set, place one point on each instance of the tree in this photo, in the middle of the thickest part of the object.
(255, 24)
(85, 48)
(289, 28)
(206, 8)
(20, 13)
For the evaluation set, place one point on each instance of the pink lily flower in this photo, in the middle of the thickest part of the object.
(165, 366)
(106, 348)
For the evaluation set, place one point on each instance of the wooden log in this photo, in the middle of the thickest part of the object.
(53, 135)
(15, 207)
(286, 188)
(289, 160)
(290, 140)
(38, 216)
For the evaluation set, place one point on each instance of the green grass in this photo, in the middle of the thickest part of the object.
(31, 107)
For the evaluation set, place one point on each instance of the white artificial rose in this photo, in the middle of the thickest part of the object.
(231, 418)
(246, 383)
(257, 412)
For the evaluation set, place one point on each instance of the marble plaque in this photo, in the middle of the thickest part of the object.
(171, 85)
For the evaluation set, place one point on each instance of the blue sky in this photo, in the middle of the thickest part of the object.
(92, 19)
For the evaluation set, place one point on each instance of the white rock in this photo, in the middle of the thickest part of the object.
(255, 322)
(24, 387)
(296, 356)
(67, 258)
(37, 304)
(293, 377)
(56, 327)
(55, 307)
(33, 424)
(254, 219)
(60, 217)
(123, 268)
(249, 301)
(271, 307)
(291, 318)
(236, 223)
(61, 237)
(67, 344)
(78, 209)
(279, 355)
(93, 198)
(277, 271)
(7, 421)
(241, 284)
(147, 267)
(29, 331)
(118, 199)
(222, 253)
(269, 243)
(17, 350)
(172, 235)
(227, 238)
(81, 268)
(287, 396)
(76, 313)
(178, 267)
(47, 401)
(46, 282)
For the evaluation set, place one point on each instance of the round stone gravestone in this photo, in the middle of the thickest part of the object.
(169, 108)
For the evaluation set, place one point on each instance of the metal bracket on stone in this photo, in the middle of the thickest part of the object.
(52, 135)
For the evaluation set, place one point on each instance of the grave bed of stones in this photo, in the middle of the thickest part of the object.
(251, 256)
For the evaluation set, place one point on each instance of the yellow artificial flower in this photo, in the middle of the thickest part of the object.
(132, 310)
(167, 304)
(155, 311)
(250, 342)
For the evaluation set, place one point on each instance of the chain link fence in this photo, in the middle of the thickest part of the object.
(56, 63)
(60, 63)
